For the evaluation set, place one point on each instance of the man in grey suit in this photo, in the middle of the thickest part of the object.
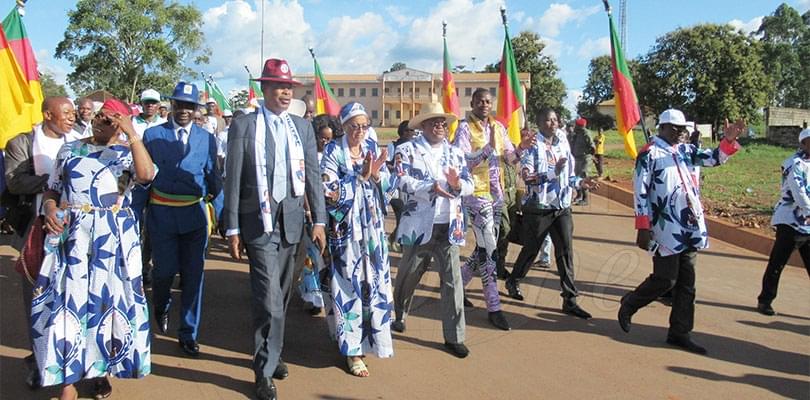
(272, 163)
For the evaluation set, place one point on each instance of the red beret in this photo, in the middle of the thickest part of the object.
(116, 106)
(582, 122)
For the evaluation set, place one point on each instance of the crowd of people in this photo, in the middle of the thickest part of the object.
(120, 201)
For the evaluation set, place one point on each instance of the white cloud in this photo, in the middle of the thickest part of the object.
(553, 47)
(356, 44)
(803, 6)
(474, 29)
(46, 63)
(747, 27)
(396, 13)
(572, 97)
(594, 47)
(558, 15)
(233, 33)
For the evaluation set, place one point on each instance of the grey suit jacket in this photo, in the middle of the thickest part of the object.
(19, 164)
(241, 209)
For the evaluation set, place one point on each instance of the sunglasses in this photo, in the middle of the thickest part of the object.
(103, 119)
(439, 124)
(355, 127)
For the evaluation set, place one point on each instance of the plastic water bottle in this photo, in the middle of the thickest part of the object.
(52, 240)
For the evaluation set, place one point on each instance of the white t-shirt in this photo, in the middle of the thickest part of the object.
(141, 125)
(44, 149)
(442, 215)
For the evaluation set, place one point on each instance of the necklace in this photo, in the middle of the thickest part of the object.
(356, 155)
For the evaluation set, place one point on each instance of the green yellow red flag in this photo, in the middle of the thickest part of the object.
(624, 94)
(325, 102)
(510, 94)
(449, 94)
(19, 114)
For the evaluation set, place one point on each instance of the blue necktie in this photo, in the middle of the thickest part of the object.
(181, 135)
(280, 164)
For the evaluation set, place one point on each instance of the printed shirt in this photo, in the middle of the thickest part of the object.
(485, 160)
(545, 189)
(793, 207)
(666, 196)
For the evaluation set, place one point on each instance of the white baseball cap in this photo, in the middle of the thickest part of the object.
(227, 113)
(690, 126)
(150, 94)
(672, 117)
(804, 134)
(211, 100)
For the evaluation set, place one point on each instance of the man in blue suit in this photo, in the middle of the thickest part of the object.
(178, 219)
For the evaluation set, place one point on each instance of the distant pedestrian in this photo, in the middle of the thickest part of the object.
(599, 151)
(791, 217)
(582, 148)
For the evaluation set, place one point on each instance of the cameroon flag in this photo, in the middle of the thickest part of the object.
(510, 94)
(254, 91)
(325, 102)
(20, 90)
(624, 95)
(449, 94)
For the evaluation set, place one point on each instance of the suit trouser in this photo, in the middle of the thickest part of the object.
(410, 271)
(559, 224)
(787, 239)
(485, 218)
(677, 273)
(183, 253)
(398, 206)
(581, 165)
(272, 268)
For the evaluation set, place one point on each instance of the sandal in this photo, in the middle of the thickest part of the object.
(357, 368)
(102, 388)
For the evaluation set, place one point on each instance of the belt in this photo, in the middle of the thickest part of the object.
(89, 207)
(183, 200)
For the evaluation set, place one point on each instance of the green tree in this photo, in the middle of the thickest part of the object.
(126, 45)
(709, 71)
(547, 89)
(397, 66)
(784, 38)
(599, 88)
(239, 99)
(50, 87)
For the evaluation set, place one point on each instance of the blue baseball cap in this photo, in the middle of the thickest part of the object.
(186, 92)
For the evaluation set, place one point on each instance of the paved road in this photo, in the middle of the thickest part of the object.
(547, 355)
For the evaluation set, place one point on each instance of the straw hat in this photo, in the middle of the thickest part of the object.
(429, 111)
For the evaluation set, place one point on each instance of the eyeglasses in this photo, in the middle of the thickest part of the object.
(439, 124)
(103, 118)
(356, 127)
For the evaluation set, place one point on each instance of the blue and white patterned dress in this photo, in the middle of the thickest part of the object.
(89, 315)
(362, 301)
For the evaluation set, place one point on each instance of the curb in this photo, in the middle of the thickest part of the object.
(718, 229)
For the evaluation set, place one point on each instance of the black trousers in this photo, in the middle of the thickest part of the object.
(508, 214)
(398, 206)
(787, 239)
(560, 225)
(677, 273)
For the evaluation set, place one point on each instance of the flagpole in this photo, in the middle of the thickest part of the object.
(640, 110)
(261, 52)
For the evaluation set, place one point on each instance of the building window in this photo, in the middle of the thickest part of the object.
(456, 91)
(493, 91)
(385, 115)
(417, 91)
(373, 114)
(399, 90)
(352, 92)
(399, 114)
(387, 90)
(468, 92)
(375, 92)
(309, 93)
(363, 92)
(340, 92)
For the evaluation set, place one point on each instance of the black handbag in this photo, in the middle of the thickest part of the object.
(19, 210)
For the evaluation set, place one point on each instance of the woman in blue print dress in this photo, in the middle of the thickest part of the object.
(362, 302)
(89, 315)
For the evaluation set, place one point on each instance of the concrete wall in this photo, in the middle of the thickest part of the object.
(784, 124)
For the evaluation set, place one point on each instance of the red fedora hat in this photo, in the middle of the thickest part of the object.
(277, 70)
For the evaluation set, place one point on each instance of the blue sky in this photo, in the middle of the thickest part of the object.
(367, 36)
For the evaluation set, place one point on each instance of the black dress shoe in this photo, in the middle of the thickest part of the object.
(457, 349)
(513, 288)
(398, 326)
(765, 309)
(190, 347)
(266, 389)
(576, 311)
(162, 320)
(281, 371)
(468, 303)
(497, 319)
(624, 318)
(686, 344)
